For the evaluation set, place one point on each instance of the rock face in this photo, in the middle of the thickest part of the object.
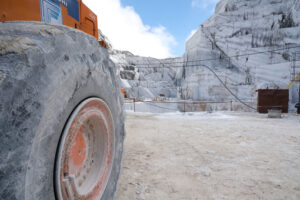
(144, 77)
(231, 43)
(246, 45)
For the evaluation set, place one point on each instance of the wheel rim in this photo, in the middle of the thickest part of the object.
(86, 152)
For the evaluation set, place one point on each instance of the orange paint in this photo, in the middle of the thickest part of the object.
(76, 147)
(30, 10)
(123, 91)
(16, 10)
(88, 20)
(102, 43)
(78, 152)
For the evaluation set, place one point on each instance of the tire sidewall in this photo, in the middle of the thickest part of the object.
(47, 72)
(41, 170)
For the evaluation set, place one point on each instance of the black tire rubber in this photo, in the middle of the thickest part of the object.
(45, 72)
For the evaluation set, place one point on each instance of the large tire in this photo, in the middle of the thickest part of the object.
(45, 72)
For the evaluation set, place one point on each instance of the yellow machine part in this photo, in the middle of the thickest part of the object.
(292, 83)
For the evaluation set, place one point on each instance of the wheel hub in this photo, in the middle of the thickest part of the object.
(85, 153)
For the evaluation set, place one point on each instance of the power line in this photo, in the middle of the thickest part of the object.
(162, 65)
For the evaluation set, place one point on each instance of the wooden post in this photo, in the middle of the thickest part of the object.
(184, 106)
(133, 105)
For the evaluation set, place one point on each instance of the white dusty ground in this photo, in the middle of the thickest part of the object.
(220, 155)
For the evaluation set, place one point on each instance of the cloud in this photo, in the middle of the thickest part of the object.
(191, 34)
(126, 30)
(204, 4)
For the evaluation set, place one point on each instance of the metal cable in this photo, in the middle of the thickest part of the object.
(224, 85)
(200, 60)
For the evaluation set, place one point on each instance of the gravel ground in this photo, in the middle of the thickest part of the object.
(220, 155)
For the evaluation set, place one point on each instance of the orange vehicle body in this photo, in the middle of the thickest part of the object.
(123, 91)
(30, 10)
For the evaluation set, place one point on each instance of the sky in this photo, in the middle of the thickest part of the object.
(154, 28)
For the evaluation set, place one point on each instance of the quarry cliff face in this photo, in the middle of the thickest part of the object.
(246, 45)
(145, 77)
(249, 44)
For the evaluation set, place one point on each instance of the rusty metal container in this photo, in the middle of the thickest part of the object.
(272, 99)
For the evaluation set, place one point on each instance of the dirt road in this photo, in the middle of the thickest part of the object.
(210, 156)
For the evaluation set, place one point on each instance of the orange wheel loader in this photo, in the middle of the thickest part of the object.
(72, 13)
(61, 116)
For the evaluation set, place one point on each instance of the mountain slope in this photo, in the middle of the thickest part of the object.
(235, 37)
(246, 45)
